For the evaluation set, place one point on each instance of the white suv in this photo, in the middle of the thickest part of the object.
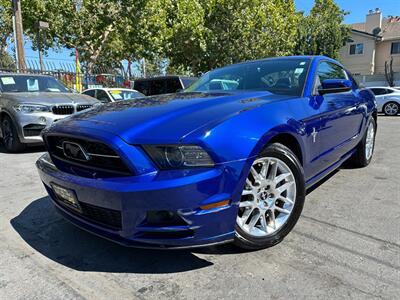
(388, 100)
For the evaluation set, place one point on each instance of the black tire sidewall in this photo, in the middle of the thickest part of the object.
(16, 144)
(243, 239)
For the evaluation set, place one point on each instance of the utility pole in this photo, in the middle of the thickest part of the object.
(41, 26)
(19, 38)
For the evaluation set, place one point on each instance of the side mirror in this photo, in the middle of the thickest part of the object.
(329, 86)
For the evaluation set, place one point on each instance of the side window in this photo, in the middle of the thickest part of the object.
(90, 93)
(102, 96)
(142, 86)
(173, 85)
(395, 49)
(327, 70)
(388, 91)
(356, 49)
(378, 92)
(158, 87)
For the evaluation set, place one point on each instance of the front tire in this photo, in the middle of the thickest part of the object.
(10, 136)
(391, 109)
(272, 199)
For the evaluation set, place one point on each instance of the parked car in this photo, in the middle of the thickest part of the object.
(106, 95)
(388, 100)
(29, 103)
(162, 85)
(211, 166)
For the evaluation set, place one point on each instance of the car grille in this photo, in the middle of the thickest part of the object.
(103, 161)
(63, 110)
(83, 107)
(105, 216)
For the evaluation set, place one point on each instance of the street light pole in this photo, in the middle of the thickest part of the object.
(18, 33)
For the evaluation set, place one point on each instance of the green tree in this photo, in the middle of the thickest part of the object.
(5, 23)
(322, 32)
(206, 34)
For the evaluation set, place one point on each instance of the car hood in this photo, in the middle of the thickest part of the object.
(165, 118)
(50, 98)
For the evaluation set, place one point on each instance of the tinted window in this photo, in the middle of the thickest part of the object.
(327, 70)
(102, 96)
(28, 83)
(278, 76)
(395, 48)
(90, 93)
(158, 86)
(142, 86)
(378, 92)
(173, 85)
(389, 91)
(356, 49)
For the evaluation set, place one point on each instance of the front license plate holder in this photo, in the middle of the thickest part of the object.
(66, 196)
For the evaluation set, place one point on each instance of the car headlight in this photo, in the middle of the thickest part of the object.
(178, 156)
(31, 108)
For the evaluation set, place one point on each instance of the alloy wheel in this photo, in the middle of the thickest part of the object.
(391, 109)
(268, 197)
(370, 141)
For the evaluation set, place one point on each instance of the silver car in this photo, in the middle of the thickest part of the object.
(29, 103)
(388, 100)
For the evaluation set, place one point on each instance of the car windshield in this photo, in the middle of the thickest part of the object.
(278, 76)
(30, 83)
(124, 94)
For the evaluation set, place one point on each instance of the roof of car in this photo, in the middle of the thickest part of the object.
(24, 74)
(111, 89)
(166, 77)
(382, 87)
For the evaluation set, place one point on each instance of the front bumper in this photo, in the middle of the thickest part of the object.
(180, 192)
(35, 120)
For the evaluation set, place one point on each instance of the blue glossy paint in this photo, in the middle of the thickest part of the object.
(232, 127)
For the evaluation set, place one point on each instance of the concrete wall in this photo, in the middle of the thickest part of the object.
(376, 80)
(383, 54)
(359, 63)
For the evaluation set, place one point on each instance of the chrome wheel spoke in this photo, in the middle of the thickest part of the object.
(284, 187)
(268, 198)
(286, 200)
(254, 220)
(246, 204)
(282, 210)
(272, 219)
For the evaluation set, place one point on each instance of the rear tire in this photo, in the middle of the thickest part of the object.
(11, 140)
(272, 199)
(391, 109)
(365, 149)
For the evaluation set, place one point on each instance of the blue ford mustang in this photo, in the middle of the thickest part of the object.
(228, 159)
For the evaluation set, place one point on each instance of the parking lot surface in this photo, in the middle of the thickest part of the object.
(345, 245)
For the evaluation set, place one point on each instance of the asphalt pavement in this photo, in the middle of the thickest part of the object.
(345, 245)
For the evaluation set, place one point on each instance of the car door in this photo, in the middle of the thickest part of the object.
(341, 115)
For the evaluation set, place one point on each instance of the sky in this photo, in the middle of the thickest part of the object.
(357, 11)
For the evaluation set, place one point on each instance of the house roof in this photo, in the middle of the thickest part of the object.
(390, 28)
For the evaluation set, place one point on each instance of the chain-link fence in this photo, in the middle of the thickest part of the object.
(65, 71)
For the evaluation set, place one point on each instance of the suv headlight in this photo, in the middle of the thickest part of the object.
(178, 156)
(31, 108)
